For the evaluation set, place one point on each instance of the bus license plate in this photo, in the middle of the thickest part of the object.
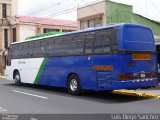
(143, 75)
(141, 57)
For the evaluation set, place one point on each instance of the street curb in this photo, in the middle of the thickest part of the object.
(2, 78)
(136, 94)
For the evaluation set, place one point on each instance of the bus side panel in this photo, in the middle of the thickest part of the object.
(108, 74)
(59, 68)
(28, 69)
(8, 72)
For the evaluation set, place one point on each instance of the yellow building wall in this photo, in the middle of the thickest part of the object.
(14, 8)
(8, 3)
(8, 9)
(0, 11)
(92, 11)
(1, 37)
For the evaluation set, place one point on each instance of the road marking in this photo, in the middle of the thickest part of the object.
(29, 94)
(2, 109)
(33, 119)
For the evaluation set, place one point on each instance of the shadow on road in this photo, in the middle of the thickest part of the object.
(87, 95)
(152, 89)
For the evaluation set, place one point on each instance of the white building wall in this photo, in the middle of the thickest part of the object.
(26, 31)
(14, 7)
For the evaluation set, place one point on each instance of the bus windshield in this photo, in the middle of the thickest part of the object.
(138, 38)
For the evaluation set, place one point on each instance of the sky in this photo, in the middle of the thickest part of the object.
(66, 9)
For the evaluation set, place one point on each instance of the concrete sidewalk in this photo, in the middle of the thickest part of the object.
(147, 93)
(153, 91)
(2, 78)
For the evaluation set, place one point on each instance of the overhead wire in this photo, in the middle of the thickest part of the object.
(63, 12)
(41, 6)
(63, 2)
(44, 9)
(92, 6)
(46, 16)
(155, 6)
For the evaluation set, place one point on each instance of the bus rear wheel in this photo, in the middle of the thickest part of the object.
(74, 86)
(17, 78)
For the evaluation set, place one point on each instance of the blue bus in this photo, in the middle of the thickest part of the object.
(119, 56)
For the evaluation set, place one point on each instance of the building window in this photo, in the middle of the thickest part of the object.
(67, 30)
(91, 23)
(38, 30)
(14, 35)
(6, 38)
(46, 30)
(84, 24)
(4, 10)
(97, 22)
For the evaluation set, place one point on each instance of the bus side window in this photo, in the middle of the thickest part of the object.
(25, 47)
(49, 47)
(14, 52)
(55, 50)
(44, 42)
(78, 43)
(114, 40)
(89, 42)
(37, 43)
(30, 50)
(102, 42)
(37, 48)
(20, 50)
(59, 40)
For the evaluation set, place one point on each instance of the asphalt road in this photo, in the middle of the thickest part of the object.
(32, 99)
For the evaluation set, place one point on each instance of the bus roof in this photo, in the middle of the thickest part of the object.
(82, 31)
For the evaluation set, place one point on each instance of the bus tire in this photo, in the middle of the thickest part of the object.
(17, 78)
(74, 86)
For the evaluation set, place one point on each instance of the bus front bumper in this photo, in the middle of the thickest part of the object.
(129, 84)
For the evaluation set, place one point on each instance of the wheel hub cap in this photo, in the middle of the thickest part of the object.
(73, 84)
(17, 78)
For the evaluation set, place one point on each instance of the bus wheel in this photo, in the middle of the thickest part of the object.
(17, 78)
(74, 86)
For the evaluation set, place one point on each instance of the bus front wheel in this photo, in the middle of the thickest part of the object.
(17, 78)
(74, 86)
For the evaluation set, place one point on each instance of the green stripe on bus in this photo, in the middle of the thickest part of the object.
(40, 71)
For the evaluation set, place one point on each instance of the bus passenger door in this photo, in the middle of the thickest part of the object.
(88, 76)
